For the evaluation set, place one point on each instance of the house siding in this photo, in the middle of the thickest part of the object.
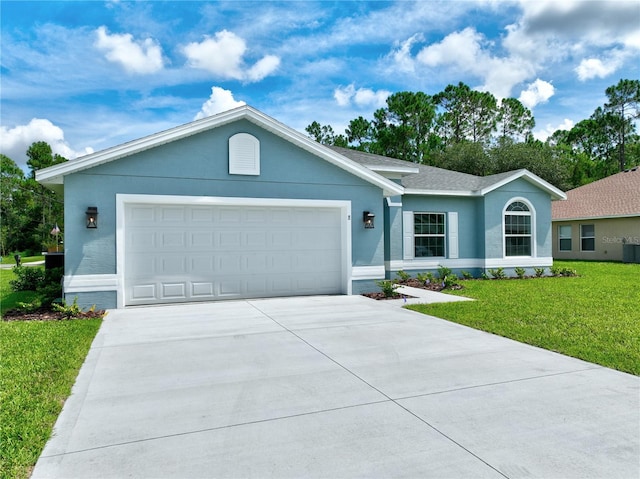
(609, 236)
(198, 166)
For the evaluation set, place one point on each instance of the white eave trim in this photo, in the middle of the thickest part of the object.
(555, 193)
(55, 174)
(415, 191)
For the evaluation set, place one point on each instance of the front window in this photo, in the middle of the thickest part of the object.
(564, 237)
(587, 237)
(517, 229)
(429, 234)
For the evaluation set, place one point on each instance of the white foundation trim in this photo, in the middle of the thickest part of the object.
(87, 283)
(468, 263)
(367, 272)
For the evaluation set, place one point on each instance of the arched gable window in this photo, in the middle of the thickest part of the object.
(244, 154)
(518, 229)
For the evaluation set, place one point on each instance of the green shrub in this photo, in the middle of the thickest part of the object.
(403, 276)
(539, 272)
(426, 278)
(68, 311)
(484, 275)
(556, 271)
(467, 275)
(450, 281)
(388, 287)
(27, 278)
(443, 272)
(520, 272)
(497, 273)
(29, 307)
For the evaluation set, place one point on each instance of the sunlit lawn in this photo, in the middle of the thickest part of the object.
(595, 316)
(39, 361)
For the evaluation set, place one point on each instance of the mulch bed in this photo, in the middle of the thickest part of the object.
(44, 314)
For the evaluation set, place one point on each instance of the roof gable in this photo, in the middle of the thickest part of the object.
(430, 180)
(614, 196)
(54, 175)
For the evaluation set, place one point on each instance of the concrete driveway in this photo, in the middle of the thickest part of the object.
(334, 387)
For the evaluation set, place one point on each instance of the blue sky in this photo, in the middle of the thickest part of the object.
(85, 76)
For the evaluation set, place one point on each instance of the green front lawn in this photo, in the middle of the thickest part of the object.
(595, 316)
(39, 361)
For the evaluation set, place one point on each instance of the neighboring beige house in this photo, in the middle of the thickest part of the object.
(600, 221)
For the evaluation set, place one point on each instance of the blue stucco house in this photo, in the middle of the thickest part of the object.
(238, 205)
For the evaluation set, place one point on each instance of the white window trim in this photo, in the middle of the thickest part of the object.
(408, 233)
(532, 214)
(588, 237)
(560, 237)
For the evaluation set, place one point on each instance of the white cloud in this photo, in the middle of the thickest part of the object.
(223, 56)
(15, 141)
(219, 101)
(547, 131)
(402, 59)
(537, 92)
(140, 57)
(363, 97)
(263, 68)
(594, 67)
(468, 52)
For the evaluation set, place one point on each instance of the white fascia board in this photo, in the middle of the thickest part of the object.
(55, 174)
(414, 191)
(555, 193)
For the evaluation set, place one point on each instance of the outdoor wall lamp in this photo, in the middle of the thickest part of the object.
(367, 218)
(92, 217)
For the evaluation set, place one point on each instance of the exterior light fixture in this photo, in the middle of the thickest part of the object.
(92, 217)
(367, 218)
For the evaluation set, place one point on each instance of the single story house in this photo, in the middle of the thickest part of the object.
(238, 205)
(600, 220)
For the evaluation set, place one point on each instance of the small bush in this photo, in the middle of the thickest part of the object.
(563, 271)
(68, 311)
(520, 272)
(388, 287)
(484, 275)
(29, 307)
(27, 278)
(450, 281)
(426, 278)
(443, 272)
(467, 275)
(539, 272)
(497, 273)
(403, 276)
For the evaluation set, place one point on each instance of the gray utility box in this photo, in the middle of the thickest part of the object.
(631, 253)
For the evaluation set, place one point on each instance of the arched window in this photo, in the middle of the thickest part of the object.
(518, 229)
(244, 154)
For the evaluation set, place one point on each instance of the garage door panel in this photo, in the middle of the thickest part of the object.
(202, 252)
(174, 290)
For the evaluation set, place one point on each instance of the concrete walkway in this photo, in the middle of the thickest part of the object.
(334, 387)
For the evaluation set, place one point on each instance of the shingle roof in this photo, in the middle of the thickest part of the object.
(616, 195)
(432, 180)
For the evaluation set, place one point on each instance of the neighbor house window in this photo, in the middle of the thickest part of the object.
(517, 229)
(564, 237)
(429, 234)
(587, 237)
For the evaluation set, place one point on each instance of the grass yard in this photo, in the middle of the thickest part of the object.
(39, 362)
(595, 316)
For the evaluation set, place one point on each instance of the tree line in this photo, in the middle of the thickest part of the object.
(472, 132)
(28, 211)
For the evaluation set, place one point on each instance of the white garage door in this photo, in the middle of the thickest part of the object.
(181, 253)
